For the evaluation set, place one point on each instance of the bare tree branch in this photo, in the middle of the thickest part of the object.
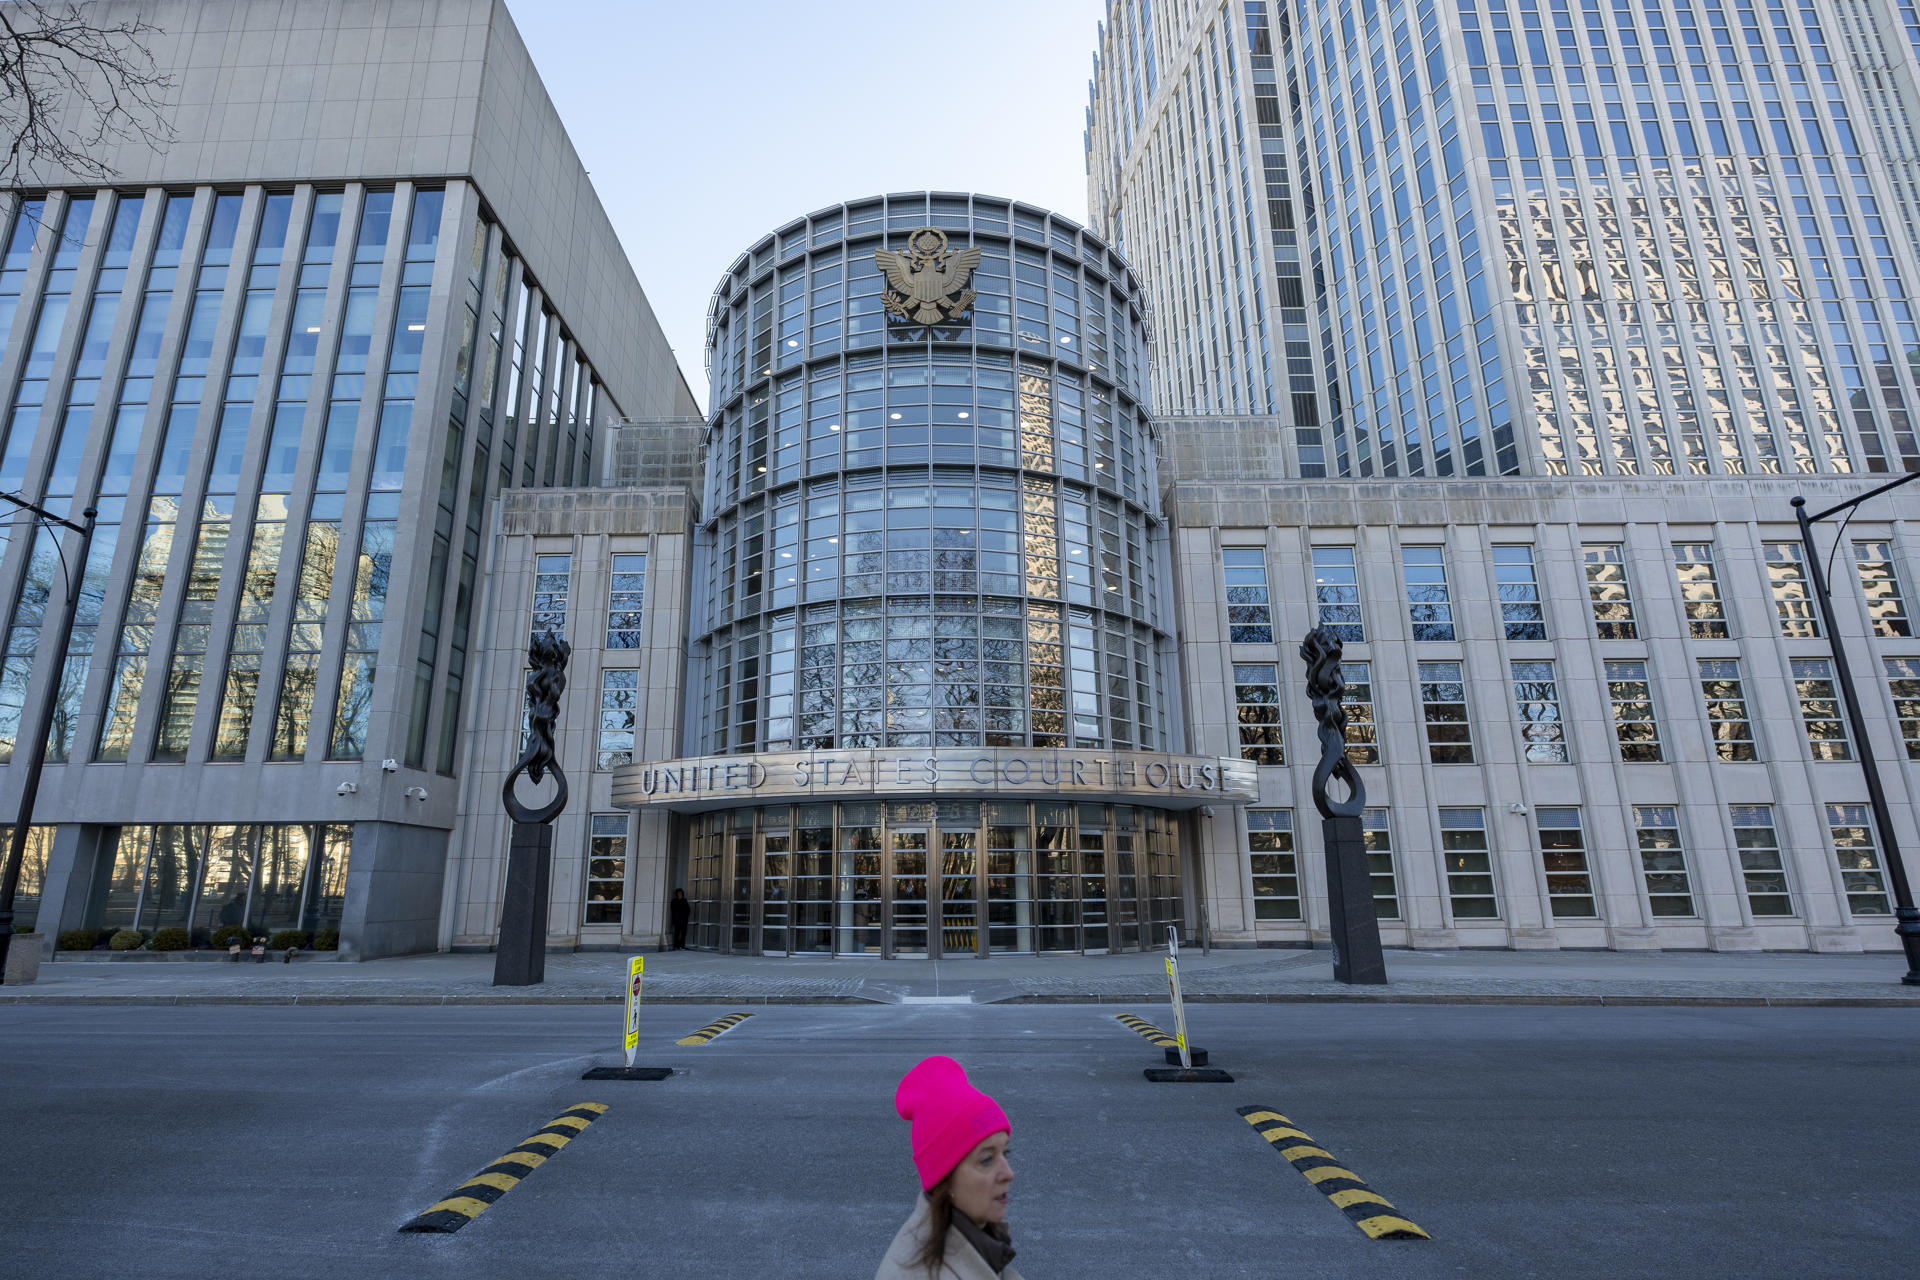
(73, 88)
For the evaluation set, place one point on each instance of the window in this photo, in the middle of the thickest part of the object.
(550, 578)
(1608, 591)
(626, 592)
(1249, 608)
(1699, 590)
(1519, 593)
(1726, 708)
(1463, 844)
(1820, 708)
(1787, 575)
(1256, 695)
(1662, 859)
(1880, 583)
(1363, 731)
(1276, 876)
(1903, 682)
(1377, 836)
(1760, 865)
(1859, 859)
(1536, 696)
(1336, 593)
(1443, 702)
(1563, 852)
(606, 868)
(1429, 606)
(1631, 696)
(619, 701)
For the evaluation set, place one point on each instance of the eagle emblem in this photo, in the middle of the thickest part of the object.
(927, 284)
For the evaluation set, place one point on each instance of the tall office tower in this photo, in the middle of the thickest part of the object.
(291, 359)
(1639, 273)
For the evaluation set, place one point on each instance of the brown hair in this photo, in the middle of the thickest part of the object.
(933, 1250)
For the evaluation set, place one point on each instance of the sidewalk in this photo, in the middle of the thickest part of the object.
(686, 977)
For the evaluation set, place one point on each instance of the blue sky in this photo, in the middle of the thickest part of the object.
(705, 126)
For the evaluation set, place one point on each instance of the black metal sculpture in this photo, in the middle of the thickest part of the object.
(1353, 927)
(521, 958)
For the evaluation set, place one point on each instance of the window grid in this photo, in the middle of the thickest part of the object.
(1363, 729)
(1700, 590)
(1520, 609)
(1429, 603)
(1463, 846)
(619, 705)
(1256, 696)
(1536, 699)
(1859, 859)
(1903, 683)
(1563, 852)
(551, 577)
(1880, 584)
(626, 595)
(1663, 859)
(1761, 868)
(606, 869)
(1630, 694)
(1336, 593)
(1609, 591)
(1249, 605)
(1820, 713)
(1443, 705)
(1376, 834)
(1787, 579)
(1276, 873)
(1726, 701)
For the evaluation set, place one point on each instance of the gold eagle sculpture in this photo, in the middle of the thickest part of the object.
(927, 283)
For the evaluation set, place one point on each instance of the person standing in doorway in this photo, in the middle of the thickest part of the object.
(680, 911)
(958, 1230)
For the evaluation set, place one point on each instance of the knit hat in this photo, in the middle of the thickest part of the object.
(949, 1116)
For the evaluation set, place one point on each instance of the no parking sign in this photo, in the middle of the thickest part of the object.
(636, 967)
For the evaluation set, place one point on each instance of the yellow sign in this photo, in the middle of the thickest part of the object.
(1173, 990)
(636, 967)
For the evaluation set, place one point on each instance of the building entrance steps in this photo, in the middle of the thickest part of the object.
(1415, 977)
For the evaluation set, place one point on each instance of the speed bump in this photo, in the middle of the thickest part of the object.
(1364, 1207)
(712, 1029)
(473, 1196)
(1147, 1031)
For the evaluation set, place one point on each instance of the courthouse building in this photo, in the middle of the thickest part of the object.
(965, 621)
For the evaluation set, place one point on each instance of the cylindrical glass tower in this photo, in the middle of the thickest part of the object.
(927, 603)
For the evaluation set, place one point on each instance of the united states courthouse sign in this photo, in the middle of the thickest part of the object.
(1157, 778)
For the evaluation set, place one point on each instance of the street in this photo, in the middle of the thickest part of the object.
(293, 1142)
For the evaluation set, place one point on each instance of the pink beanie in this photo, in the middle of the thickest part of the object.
(949, 1116)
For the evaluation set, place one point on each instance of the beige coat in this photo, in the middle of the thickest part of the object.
(962, 1262)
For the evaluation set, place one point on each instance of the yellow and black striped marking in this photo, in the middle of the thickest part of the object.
(483, 1188)
(713, 1029)
(1147, 1031)
(1350, 1194)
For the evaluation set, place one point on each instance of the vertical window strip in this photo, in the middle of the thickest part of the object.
(626, 594)
(1563, 852)
(1630, 695)
(193, 630)
(1429, 603)
(1536, 699)
(313, 591)
(1663, 859)
(1336, 593)
(1819, 698)
(1249, 604)
(1903, 684)
(1861, 878)
(1609, 592)
(619, 714)
(1443, 705)
(249, 636)
(1363, 729)
(1469, 864)
(1699, 590)
(1376, 835)
(366, 617)
(1880, 584)
(1762, 871)
(1256, 696)
(606, 868)
(551, 576)
(1787, 578)
(1726, 702)
(1520, 607)
(1271, 856)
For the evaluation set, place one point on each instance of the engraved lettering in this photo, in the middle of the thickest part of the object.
(802, 773)
(756, 775)
(852, 775)
(932, 768)
(900, 778)
(1054, 781)
(973, 771)
(1026, 772)
(1079, 772)
(1148, 773)
(1209, 778)
(1183, 776)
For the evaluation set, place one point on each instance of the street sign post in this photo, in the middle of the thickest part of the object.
(1173, 988)
(1186, 1072)
(636, 969)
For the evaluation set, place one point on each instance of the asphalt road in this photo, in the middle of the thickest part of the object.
(293, 1142)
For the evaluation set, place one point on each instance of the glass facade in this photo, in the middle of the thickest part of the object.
(928, 536)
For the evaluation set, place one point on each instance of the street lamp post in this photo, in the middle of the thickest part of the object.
(36, 738)
(1907, 915)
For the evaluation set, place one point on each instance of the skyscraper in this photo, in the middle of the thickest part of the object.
(1626, 278)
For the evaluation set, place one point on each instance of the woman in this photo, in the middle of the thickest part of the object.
(958, 1230)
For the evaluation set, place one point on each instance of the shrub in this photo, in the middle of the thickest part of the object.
(173, 939)
(79, 940)
(327, 940)
(228, 934)
(290, 938)
(127, 940)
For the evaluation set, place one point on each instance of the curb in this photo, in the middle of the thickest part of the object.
(1342, 997)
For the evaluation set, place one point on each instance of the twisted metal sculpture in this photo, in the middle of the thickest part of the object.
(548, 654)
(1322, 649)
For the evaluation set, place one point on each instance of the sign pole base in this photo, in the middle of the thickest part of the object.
(628, 1073)
(1199, 1056)
(1198, 1075)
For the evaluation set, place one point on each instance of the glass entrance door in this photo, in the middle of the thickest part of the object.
(907, 901)
(959, 889)
(776, 849)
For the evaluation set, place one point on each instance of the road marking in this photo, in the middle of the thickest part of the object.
(712, 1029)
(1146, 1031)
(471, 1198)
(1366, 1208)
